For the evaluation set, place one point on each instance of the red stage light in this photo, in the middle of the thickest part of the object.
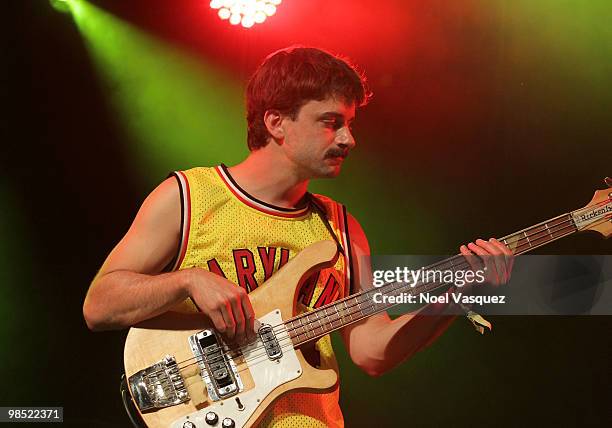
(245, 12)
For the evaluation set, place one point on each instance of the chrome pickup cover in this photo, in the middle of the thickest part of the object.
(158, 386)
(268, 337)
(218, 370)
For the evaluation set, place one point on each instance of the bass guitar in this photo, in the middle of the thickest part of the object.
(181, 374)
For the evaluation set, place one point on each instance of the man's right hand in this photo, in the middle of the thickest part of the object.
(225, 303)
(132, 287)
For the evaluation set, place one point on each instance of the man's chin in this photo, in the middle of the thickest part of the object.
(330, 171)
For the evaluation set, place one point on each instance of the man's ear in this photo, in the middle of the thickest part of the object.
(273, 120)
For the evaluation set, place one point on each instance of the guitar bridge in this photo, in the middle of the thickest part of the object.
(158, 386)
(218, 370)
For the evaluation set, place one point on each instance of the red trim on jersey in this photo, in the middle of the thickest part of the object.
(248, 200)
(342, 229)
(187, 222)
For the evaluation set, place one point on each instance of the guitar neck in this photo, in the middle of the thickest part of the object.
(528, 239)
(319, 322)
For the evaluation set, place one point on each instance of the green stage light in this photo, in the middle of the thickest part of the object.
(177, 110)
(60, 5)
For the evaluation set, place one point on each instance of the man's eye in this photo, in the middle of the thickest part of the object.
(332, 123)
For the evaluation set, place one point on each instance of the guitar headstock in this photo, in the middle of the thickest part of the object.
(597, 214)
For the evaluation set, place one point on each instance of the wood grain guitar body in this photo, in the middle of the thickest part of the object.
(166, 375)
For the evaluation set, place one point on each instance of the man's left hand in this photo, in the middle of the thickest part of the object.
(496, 257)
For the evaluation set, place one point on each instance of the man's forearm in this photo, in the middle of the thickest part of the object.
(409, 334)
(381, 344)
(121, 299)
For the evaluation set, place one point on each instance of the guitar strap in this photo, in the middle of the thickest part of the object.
(322, 213)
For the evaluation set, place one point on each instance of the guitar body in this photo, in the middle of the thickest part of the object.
(263, 379)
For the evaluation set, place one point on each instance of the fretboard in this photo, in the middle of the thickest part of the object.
(319, 322)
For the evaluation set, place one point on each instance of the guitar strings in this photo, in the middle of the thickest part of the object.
(396, 286)
(517, 251)
(348, 314)
(509, 237)
(390, 288)
(261, 357)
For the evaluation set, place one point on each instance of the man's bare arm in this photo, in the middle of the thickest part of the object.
(129, 287)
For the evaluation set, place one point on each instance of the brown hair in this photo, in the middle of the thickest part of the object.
(290, 77)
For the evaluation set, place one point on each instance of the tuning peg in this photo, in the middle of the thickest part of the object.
(608, 181)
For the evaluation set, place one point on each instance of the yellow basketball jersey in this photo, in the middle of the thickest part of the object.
(231, 233)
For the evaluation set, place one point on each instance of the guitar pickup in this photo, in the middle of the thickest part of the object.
(270, 342)
(218, 370)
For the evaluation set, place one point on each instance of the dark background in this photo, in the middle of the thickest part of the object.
(487, 117)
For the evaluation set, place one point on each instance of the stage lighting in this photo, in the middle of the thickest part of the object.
(245, 12)
(60, 5)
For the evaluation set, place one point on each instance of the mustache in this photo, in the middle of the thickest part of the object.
(336, 153)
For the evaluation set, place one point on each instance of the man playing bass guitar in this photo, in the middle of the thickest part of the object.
(212, 235)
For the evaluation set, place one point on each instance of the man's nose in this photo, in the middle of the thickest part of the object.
(344, 138)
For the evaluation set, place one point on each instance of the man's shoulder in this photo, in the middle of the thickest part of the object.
(197, 176)
(196, 170)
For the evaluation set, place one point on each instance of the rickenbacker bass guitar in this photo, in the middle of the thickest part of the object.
(181, 374)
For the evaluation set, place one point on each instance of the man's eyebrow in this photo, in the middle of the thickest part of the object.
(334, 114)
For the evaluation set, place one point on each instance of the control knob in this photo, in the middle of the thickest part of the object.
(228, 423)
(211, 418)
